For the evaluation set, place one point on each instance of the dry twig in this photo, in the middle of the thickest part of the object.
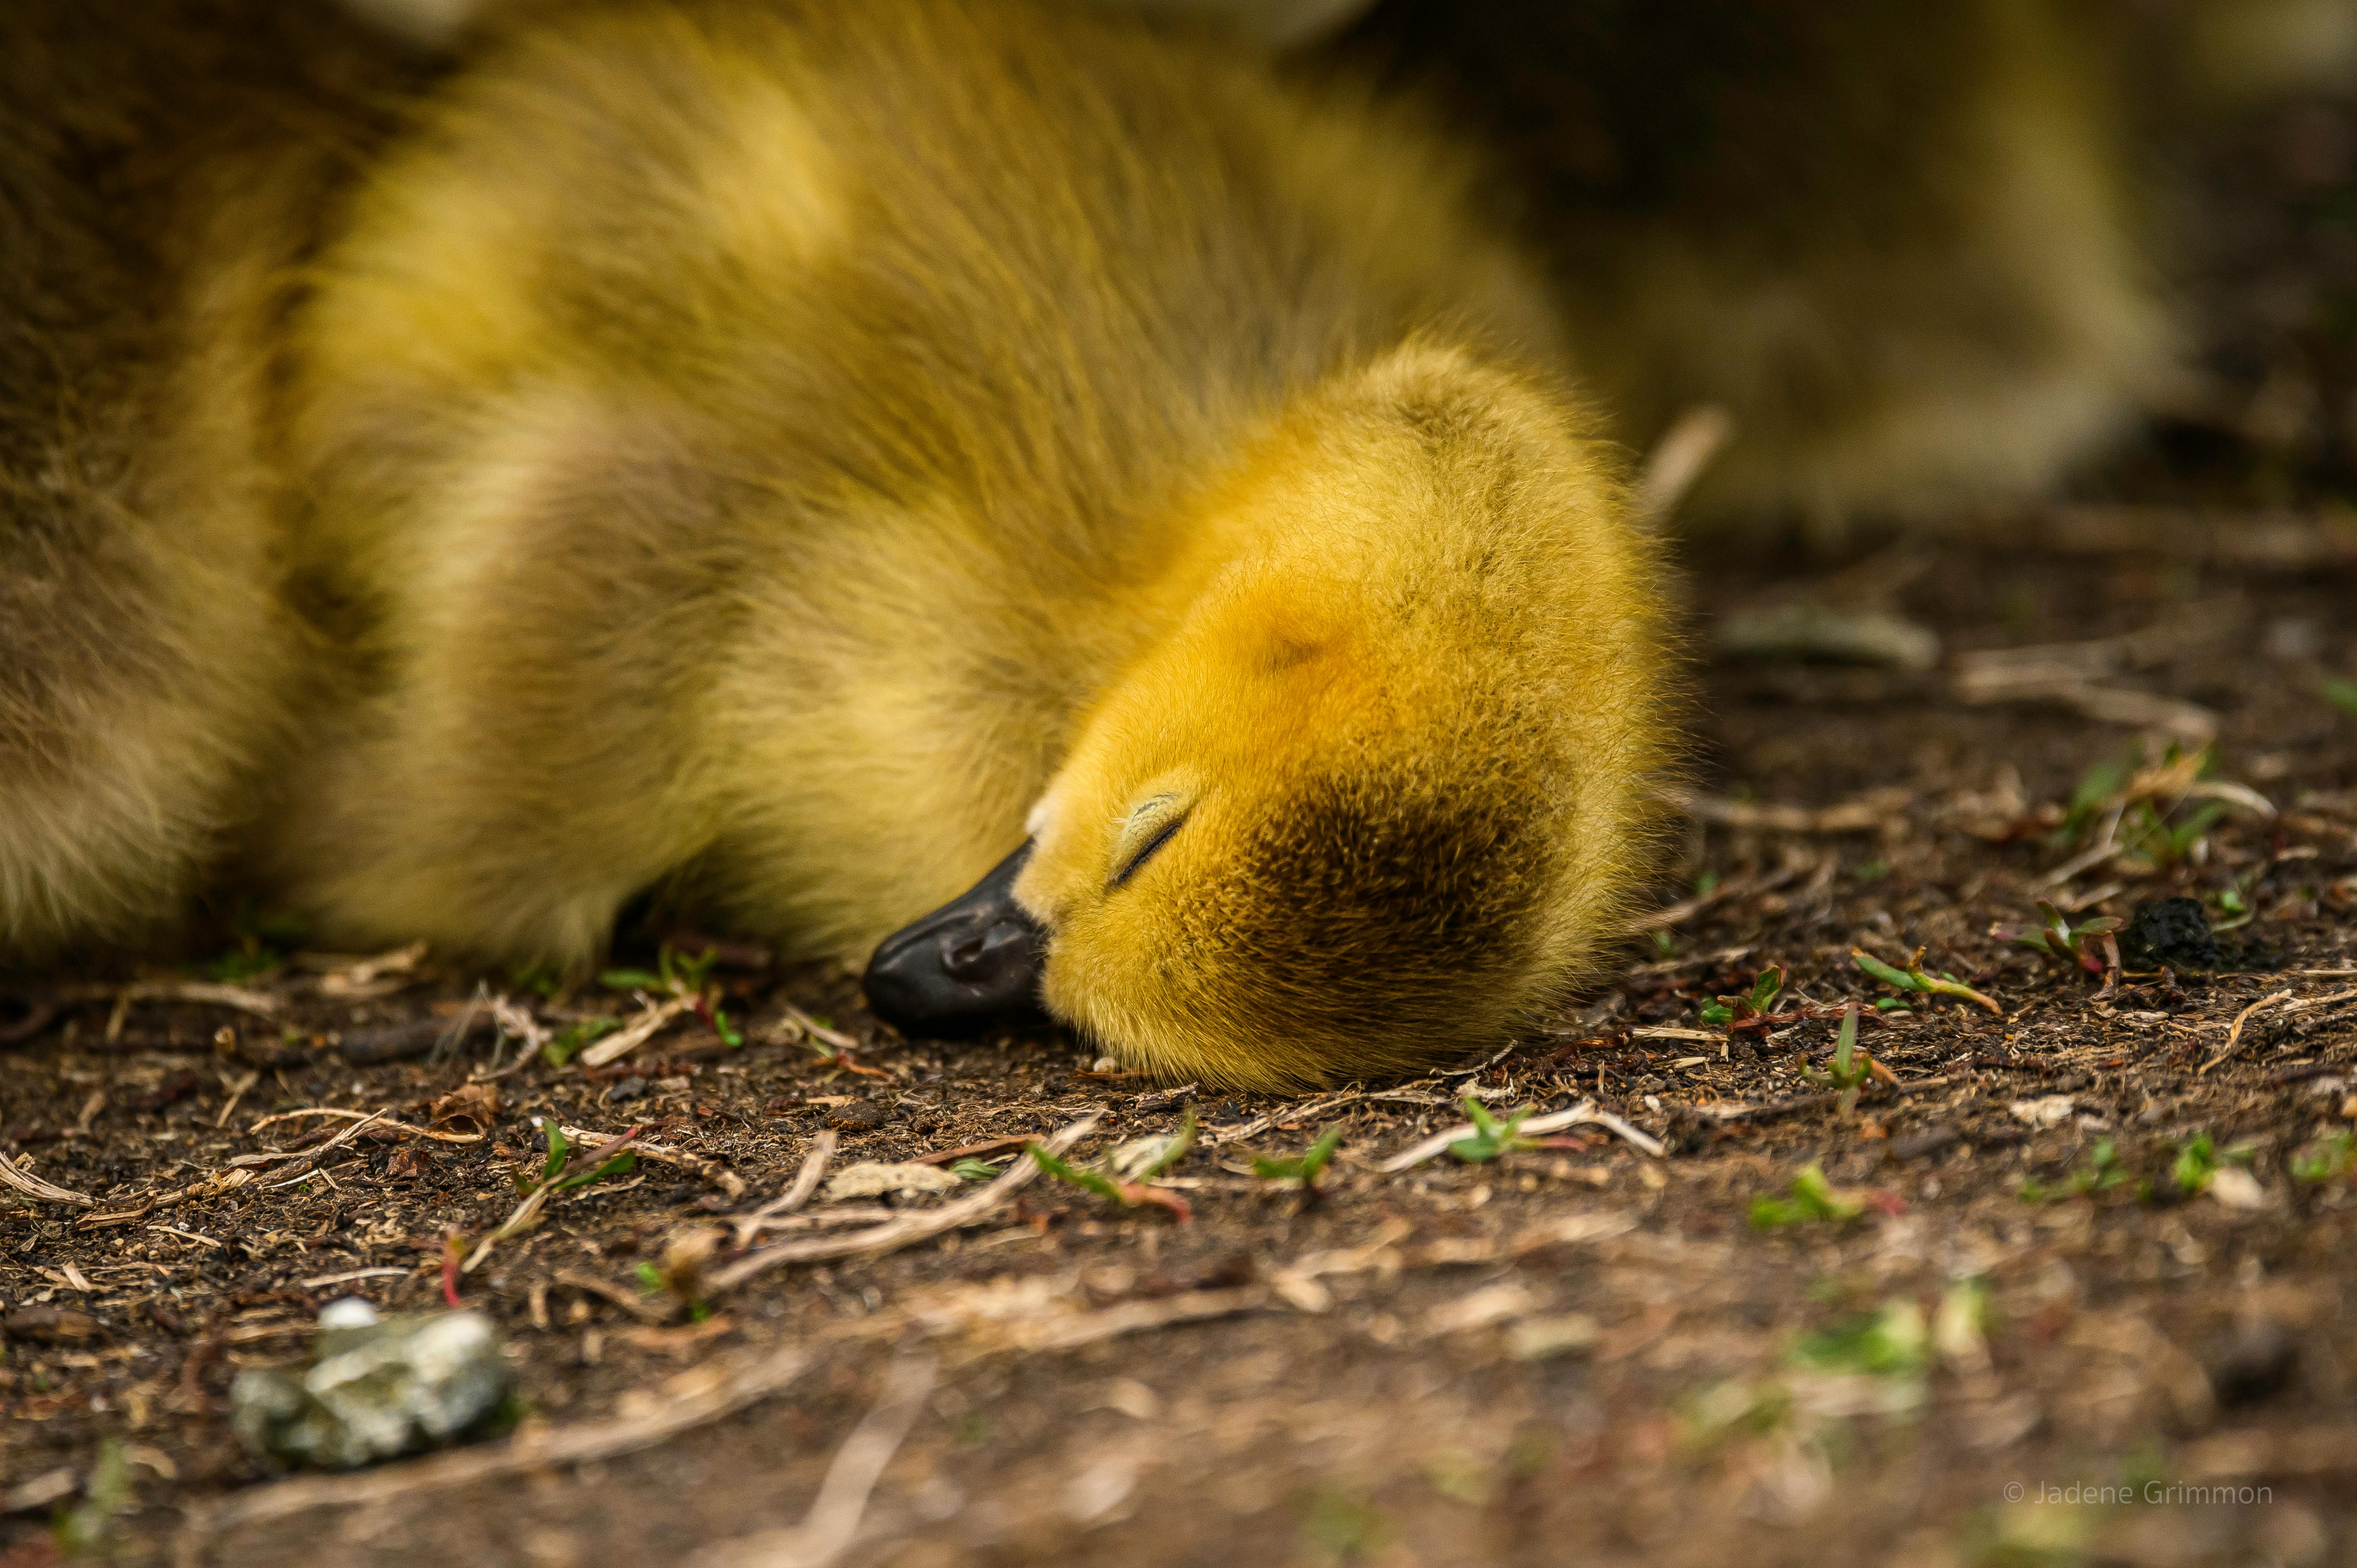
(805, 1183)
(894, 1234)
(26, 1182)
(2234, 1034)
(832, 1526)
(1586, 1112)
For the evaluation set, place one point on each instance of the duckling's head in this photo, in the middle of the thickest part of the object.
(1381, 788)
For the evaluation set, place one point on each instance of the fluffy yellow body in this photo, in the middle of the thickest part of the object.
(771, 454)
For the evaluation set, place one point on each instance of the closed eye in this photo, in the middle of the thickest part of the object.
(1146, 851)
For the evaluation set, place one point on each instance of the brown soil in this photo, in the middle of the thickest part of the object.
(2135, 1333)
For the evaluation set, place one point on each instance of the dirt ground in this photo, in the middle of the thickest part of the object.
(2095, 1234)
(1579, 1350)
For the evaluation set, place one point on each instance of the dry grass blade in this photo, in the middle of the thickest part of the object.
(382, 1120)
(26, 1182)
(1216, 1137)
(1733, 888)
(1137, 1316)
(805, 1183)
(832, 1526)
(894, 1234)
(220, 1182)
(2234, 1034)
(1585, 1111)
(647, 1024)
(1678, 459)
(236, 996)
(1868, 812)
(709, 1397)
(526, 1212)
(713, 1171)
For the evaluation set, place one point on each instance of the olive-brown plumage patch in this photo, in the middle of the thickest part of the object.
(1368, 903)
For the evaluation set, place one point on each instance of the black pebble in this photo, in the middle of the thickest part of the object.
(629, 1088)
(2172, 931)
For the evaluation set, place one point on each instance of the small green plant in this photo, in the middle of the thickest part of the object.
(1143, 1159)
(1128, 1193)
(2163, 843)
(1758, 1002)
(972, 1169)
(2342, 694)
(2058, 940)
(1913, 978)
(553, 1174)
(2102, 1173)
(1491, 1138)
(1894, 1342)
(650, 1280)
(542, 980)
(2096, 789)
(1851, 1066)
(2196, 1162)
(1872, 870)
(260, 943)
(2234, 910)
(1300, 1171)
(1814, 1200)
(687, 979)
(569, 1041)
(1344, 1528)
(92, 1528)
(2325, 1159)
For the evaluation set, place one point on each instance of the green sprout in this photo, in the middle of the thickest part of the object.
(972, 1169)
(2098, 786)
(553, 1175)
(1851, 1066)
(1756, 1003)
(1133, 1191)
(1491, 1137)
(261, 943)
(2197, 1163)
(650, 1280)
(1814, 1200)
(1894, 1342)
(92, 1527)
(2342, 694)
(2102, 1173)
(1913, 978)
(1300, 1171)
(2235, 907)
(2324, 1160)
(2164, 843)
(569, 1041)
(2058, 940)
(687, 979)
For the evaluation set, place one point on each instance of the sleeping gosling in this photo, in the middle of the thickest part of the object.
(792, 460)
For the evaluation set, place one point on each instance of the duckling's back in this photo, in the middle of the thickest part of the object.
(144, 663)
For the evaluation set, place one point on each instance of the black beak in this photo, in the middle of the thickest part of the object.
(973, 962)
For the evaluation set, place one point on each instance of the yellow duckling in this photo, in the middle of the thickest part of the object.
(794, 458)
